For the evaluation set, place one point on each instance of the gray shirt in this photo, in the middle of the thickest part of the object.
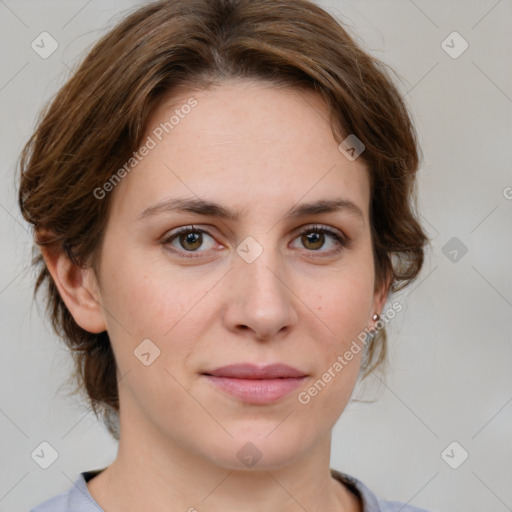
(78, 499)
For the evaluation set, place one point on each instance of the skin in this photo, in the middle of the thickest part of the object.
(253, 147)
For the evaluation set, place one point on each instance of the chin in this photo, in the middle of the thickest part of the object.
(260, 451)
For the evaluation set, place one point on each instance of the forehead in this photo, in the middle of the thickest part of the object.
(241, 143)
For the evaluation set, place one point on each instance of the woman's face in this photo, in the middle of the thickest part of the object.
(244, 290)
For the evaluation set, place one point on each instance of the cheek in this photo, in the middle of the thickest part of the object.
(148, 298)
(344, 302)
(343, 307)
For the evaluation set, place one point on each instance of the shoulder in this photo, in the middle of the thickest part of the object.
(56, 504)
(76, 499)
(371, 502)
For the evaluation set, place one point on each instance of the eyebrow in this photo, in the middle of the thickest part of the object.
(212, 209)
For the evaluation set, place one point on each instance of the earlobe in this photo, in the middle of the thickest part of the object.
(78, 289)
(380, 296)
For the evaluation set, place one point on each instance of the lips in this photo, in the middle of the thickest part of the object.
(256, 385)
(250, 371)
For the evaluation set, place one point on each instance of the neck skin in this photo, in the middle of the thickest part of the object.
(151, 473)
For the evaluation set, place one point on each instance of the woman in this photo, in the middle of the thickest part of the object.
(223, 199)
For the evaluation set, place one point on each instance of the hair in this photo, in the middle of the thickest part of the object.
(98, 118)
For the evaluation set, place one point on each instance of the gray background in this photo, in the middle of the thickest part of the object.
(450, 356)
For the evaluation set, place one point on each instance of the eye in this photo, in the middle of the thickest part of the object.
(314, 238)
(188, 239)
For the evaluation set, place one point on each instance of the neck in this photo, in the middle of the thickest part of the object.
(151, 472)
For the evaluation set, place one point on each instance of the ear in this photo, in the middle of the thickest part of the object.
(78, 288)
(380, 296)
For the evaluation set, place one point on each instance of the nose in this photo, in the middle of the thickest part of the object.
(259, 298)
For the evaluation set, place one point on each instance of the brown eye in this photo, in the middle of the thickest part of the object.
(315, 238)
(189, 240)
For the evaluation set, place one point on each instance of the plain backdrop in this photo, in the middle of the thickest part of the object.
(449, 379)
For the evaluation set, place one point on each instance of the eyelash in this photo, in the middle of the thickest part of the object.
(343, 242)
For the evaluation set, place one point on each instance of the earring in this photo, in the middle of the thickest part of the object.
(375, 317)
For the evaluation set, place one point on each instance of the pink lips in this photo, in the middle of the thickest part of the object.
(254, 384)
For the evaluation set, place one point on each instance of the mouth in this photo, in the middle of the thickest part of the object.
(255, 384)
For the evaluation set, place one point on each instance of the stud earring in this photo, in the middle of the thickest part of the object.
(375, 317)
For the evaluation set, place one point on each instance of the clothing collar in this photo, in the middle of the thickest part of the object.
(81, 499)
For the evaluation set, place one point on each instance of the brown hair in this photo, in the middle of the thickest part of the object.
(98, 118)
